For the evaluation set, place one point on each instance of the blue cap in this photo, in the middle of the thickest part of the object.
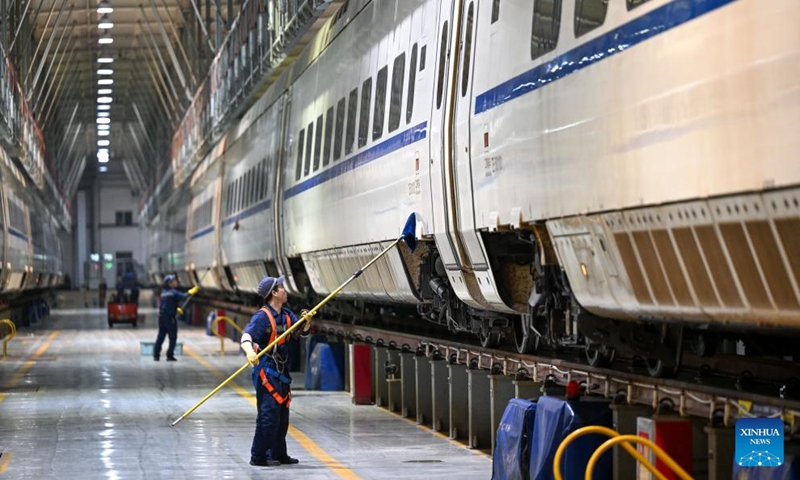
(169, 278)
(268, 284)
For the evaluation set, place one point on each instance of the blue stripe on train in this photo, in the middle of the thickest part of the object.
(202, 232)
(402, 139)
(17, 233)
(642, 28)
(259, 207)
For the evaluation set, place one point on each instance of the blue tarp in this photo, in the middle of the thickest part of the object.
(326, 368)
(511, 452)
(554, 420)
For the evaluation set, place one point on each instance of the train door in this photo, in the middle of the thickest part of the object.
(282, 159)
(460, 247)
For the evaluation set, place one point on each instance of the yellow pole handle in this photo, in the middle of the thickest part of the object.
(221, 338)
(302, 319)
(661, 454)
(602, 431)
(8, 337)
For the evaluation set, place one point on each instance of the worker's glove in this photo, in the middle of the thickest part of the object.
(307, 325)
(193, 291)
(251, 354)
(179, 311)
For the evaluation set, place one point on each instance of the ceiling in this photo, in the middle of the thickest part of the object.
(161, 51)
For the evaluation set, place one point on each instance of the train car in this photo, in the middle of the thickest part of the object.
(18, 262)
(624, 181)
(202, 230)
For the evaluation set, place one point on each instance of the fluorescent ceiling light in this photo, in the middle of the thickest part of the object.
(104, 99)
(105, 25)
(104, 120)
(102, 114)
(105, 81)
(103, 133)
(103, 143)
(105, 41)
(103, 169)
(105, 60)
(104, 91)
(104, 107)
(105, 71)
(104, 10)
(103, 127)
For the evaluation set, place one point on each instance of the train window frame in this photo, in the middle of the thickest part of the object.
(468, 33)
(352, 110)
(422, 54)
(442, 61)
(396, 98)
(545, 45)
(338, 142)
(631, 4)
(309, 146)
(379, 109)
(363, 114)
(326, 151)
(301, 141)
(318, 142)
(495, 11)
(412, 84)
(582, 27)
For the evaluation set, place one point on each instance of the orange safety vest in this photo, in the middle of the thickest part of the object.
(262, 374)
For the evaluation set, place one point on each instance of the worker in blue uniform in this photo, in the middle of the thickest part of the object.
(271, 377)
(167, 316)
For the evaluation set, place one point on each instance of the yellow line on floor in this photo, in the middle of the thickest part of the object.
(296, 434)
(4, 461)
(30, 363)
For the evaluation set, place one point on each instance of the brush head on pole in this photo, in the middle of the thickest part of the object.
(409, 235)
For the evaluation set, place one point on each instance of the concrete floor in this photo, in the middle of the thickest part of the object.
(79, 401)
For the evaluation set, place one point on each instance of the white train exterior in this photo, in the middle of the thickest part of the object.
(29, 243)
(592, 173)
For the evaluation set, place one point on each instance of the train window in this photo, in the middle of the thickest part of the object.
(326, 152)
(467, 49)
(412, 83)
(339, 137)
(442, 58)
(300, 142)
(544, 32)
(635, 3)
(495, 10)
(379, 113)
(309, 145)
(318, 143)
(363, 115)
(422, 56)
(351, 121)
(589, 14)
(396, 104)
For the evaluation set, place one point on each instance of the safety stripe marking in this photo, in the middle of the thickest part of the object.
(30, 363)
(315, 450)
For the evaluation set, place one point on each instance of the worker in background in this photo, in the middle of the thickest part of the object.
(102, 289)
(167, 321)
(271, 377)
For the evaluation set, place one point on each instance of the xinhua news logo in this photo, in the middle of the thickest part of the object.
(759, 442)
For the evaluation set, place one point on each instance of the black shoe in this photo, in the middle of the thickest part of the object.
(172, 359)
(155, 358)
(287, 460)
(265, 463)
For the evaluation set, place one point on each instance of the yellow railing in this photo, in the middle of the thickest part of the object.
(221, 338)
(617, 439)
(8, 337)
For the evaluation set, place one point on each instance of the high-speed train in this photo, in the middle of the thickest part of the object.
(29, 243)
(602, 175)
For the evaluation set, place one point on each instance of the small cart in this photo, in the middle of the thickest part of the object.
(123, 313)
